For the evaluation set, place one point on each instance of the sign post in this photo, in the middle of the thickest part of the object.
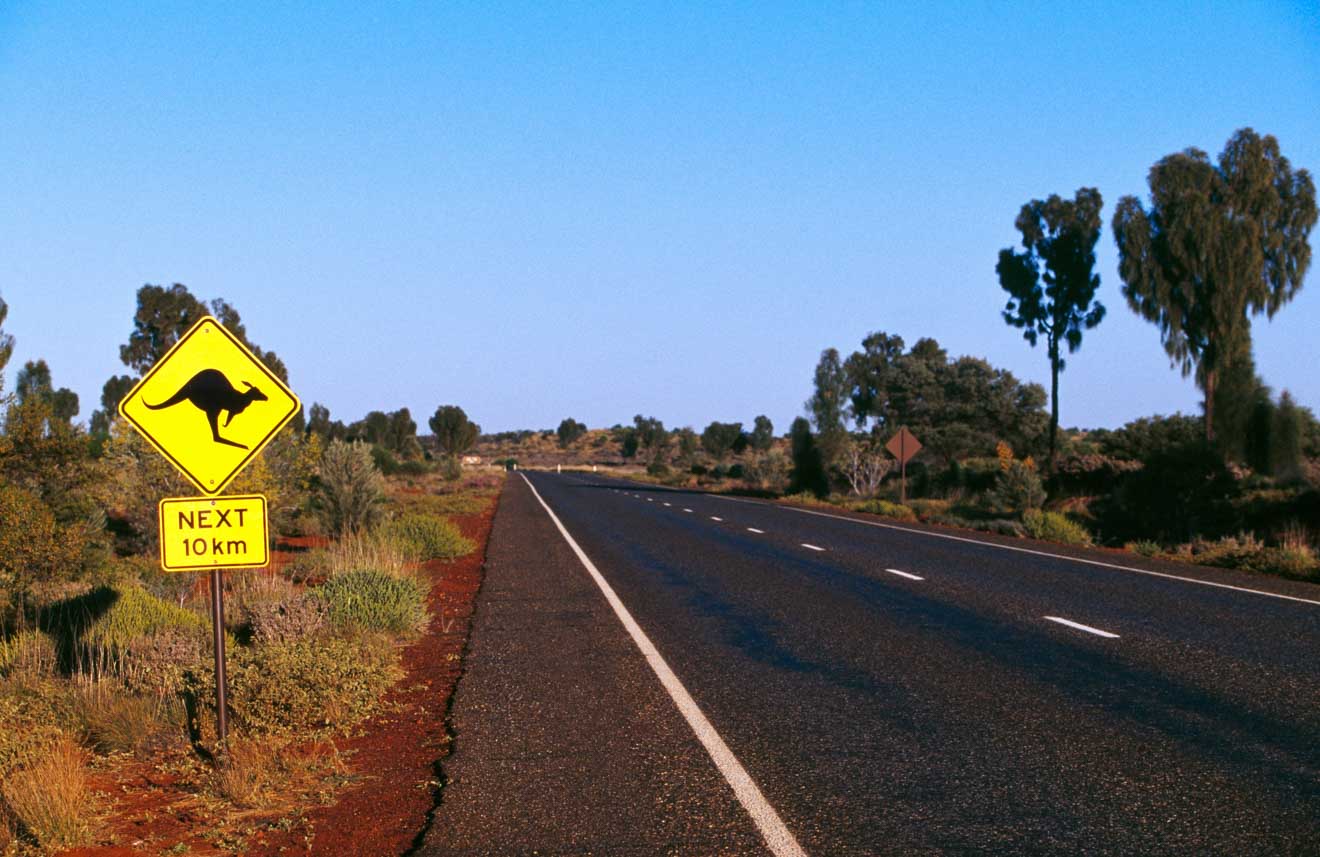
(903, 446)
(178, 407)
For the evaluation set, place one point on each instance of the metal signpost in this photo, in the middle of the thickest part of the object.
(210, 406)
(903, 446)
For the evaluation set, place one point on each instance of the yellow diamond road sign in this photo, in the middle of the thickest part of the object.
(213, 532)
(209, 406)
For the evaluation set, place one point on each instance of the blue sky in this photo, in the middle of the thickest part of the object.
(549, 210)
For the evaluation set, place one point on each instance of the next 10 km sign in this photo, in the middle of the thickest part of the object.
(199, 533)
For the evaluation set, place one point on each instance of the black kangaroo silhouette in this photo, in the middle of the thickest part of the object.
(211, 391)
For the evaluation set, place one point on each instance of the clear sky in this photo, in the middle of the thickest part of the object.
(551, 209)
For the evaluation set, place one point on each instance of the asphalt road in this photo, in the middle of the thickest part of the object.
(889, 691)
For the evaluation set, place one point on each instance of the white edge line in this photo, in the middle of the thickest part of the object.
(1080, 627)
(904, 574)
(777, 836)
(813, 547)
(1094, 562)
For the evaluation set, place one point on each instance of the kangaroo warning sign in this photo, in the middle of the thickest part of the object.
(209, 406)
(198, 533)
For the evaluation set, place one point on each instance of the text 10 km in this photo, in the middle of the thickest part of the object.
(189, 537)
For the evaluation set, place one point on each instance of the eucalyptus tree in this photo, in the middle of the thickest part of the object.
(1051, 284)
(454, 432)
(1220, 243)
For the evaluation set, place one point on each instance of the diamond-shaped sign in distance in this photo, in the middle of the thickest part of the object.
(209, 406)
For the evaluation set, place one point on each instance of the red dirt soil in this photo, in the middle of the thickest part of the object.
(392, 760)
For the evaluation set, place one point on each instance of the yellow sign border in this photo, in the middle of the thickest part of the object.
(265, 528)
(256, 447)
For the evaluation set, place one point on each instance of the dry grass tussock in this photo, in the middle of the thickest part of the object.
(47, 800)
(258, 774)
(370, 550)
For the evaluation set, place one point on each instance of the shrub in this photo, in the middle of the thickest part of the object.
(33, 547)
(423, 537)
(156, 664)
(767, 470)
(297, 618)
(1053, 527)
(805, 498)
(1017, 489)
(1145, 547)
(451, 469)
(368, 600)
(95, 630)
(1287, 561)
(885, 508)
(351, 487)
(384, 460)
(49, 797)
(414, 467)
(926, 508)
(307, 686)
(31, 710)
(126, 613)
(657, 468)
(1224, 552)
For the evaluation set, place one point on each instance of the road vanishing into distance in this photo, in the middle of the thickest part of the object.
(655, 671)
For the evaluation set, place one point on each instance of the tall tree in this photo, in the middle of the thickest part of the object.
(808, 468)
(719, 438)
(454, 432)
(828, 405)
(1219, 243)
(869, 374)
(651, 435)
(569, 430)
(34, 383)
(6, 342)
(1051, 284)
(112, 394)
(763, 433)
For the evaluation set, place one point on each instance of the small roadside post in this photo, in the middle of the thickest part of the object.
(903, 445)
(177, 407)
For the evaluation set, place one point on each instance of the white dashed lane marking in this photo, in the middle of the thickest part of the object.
(1080, 627)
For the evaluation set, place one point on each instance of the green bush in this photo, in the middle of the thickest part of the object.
(296, 618)
(886, 508)
(132, 612)
(98, 629)
(308, 685)
(1287, 561)
(374, 601)
(1017, 489)
(450, 468)
(422, 537)
(414, 467)
(351, 487)
(1145, 547)
(1054, 527)
(926, 508)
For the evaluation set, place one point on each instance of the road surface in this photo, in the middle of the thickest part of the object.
(866, 689)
